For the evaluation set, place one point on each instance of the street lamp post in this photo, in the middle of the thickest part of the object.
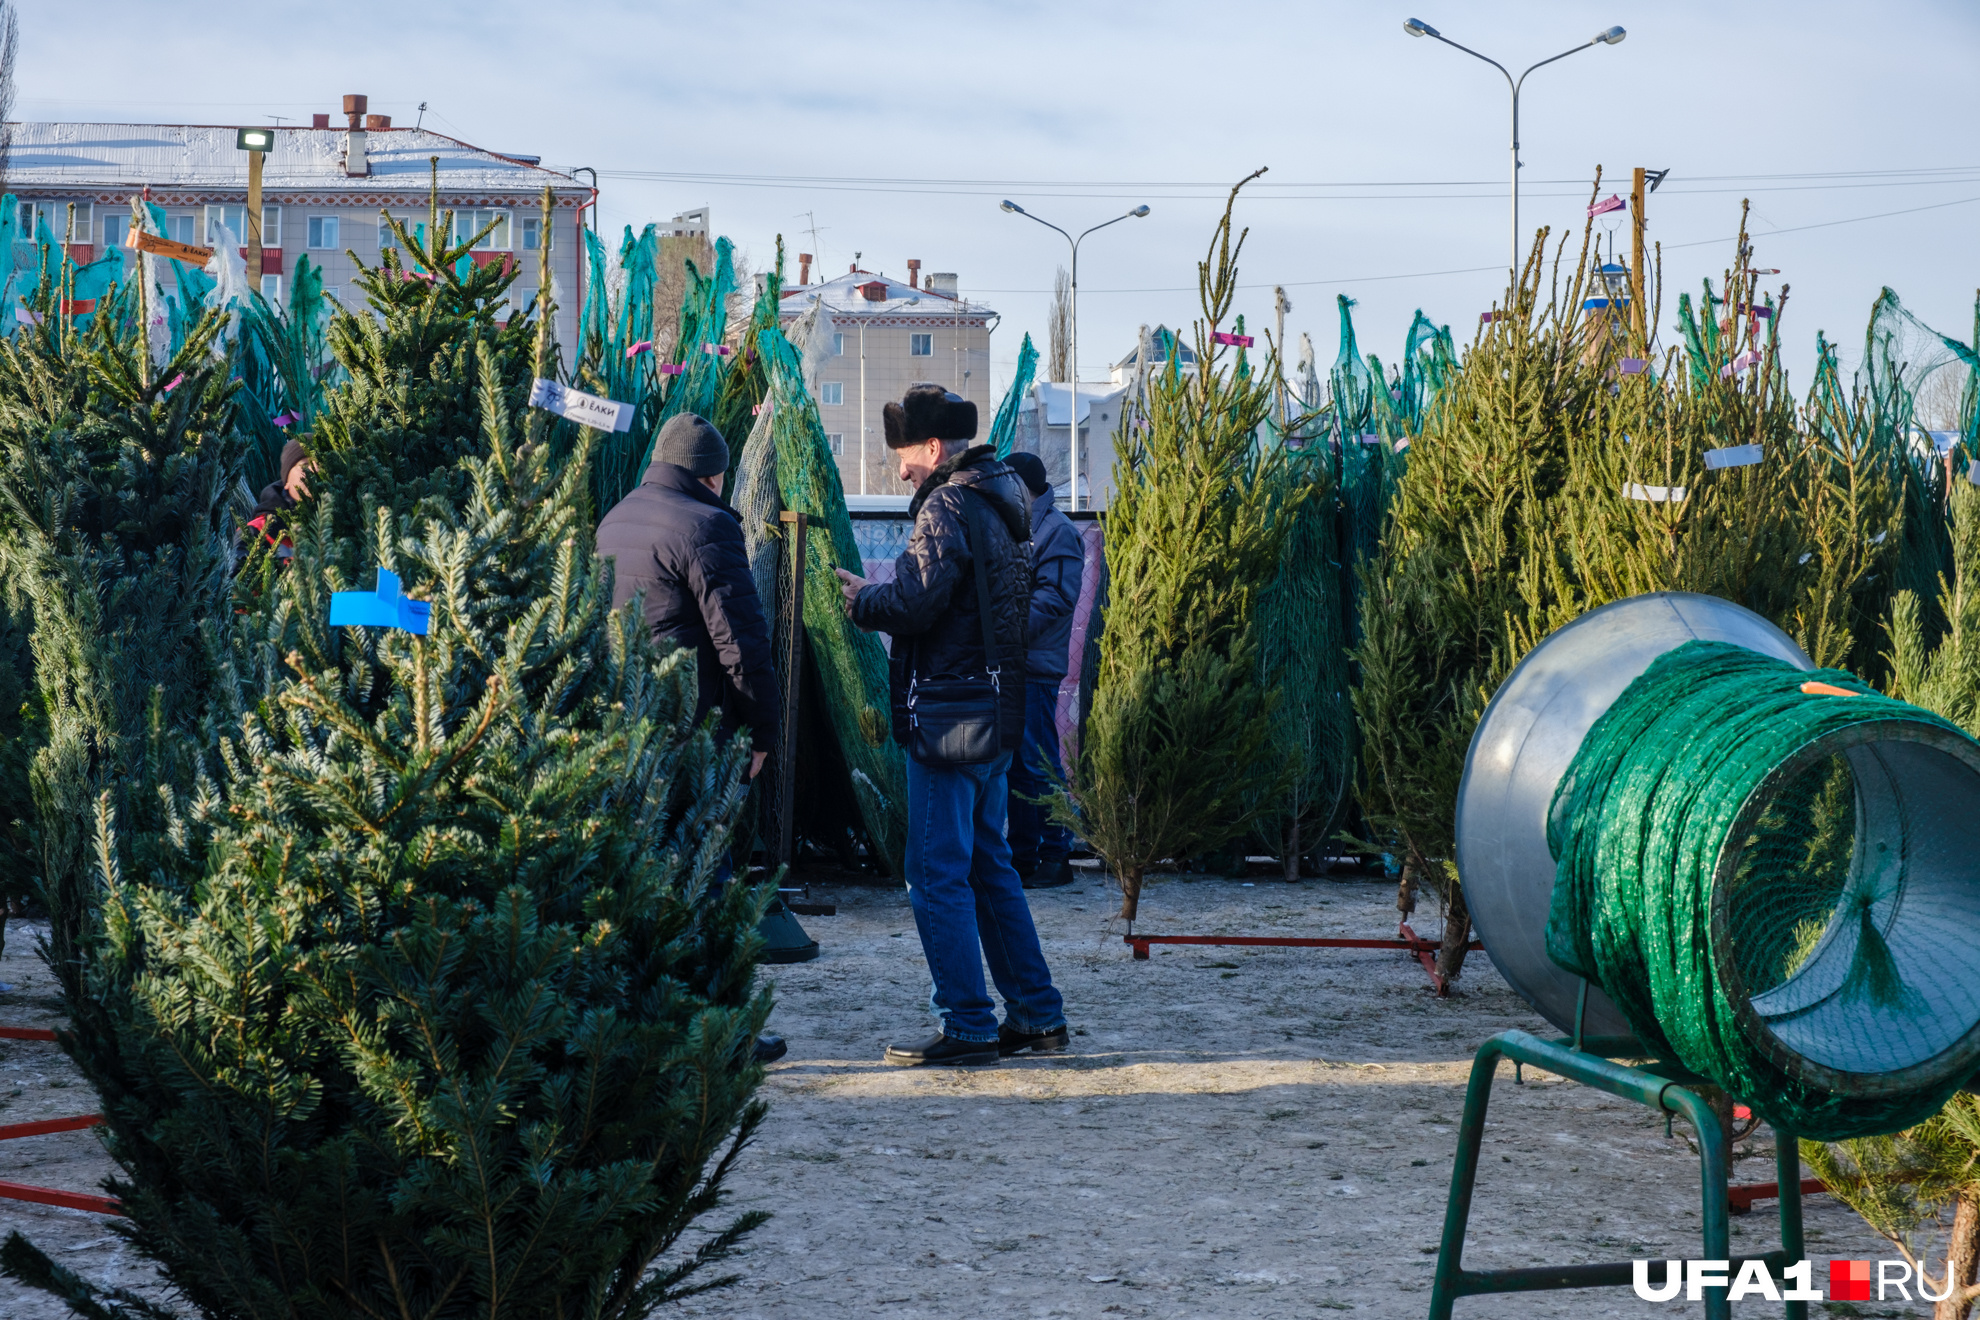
(1416, 27)
(1072, 335)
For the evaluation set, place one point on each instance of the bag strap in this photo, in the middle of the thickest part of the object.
(972, 515)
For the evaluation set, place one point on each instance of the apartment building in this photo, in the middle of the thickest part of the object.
(323, 189)
(886, 334)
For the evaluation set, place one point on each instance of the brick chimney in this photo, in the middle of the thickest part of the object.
(804, 268)
(914, 272)
(319, 121)
(377, 121)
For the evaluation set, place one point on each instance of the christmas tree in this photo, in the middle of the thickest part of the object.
(431, 1008)
(1561, 470)
(1178, 757)
(115, 481)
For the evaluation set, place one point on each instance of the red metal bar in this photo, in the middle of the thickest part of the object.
(1743, 1196)
(1410, 943)
(47, 1125)
(26, 1033)
(101, 1205)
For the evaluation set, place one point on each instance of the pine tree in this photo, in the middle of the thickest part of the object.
(433, 1010)
(115, 482)
(1178, 756)
(1549, 482)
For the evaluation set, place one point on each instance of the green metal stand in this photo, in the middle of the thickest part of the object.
(1663, 1091)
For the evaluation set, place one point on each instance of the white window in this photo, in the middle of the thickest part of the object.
(271, 289)
(532, 234)
(334, 292)
(114, 229)
(56, 216)
(469, 223)
(182, 228)
(831, 392)
(323, 231)
(386, 240)
(838, 345)
(235, 218)
(837, 440)
(921, 345)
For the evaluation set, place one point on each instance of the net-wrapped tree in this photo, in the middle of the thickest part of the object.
(434, 1009)
(1178, 756)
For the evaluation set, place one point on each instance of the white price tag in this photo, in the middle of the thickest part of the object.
(1634, 490)
(584, 409)
(1732, 456)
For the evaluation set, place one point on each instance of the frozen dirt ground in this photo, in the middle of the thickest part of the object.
(1255, 1133)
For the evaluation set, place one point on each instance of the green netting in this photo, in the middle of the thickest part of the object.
(1004, 429)
(850, 664)
(1794, 929)
(1302, 647)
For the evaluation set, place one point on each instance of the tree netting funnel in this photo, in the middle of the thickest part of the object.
(1521, 748)
(1770, 872)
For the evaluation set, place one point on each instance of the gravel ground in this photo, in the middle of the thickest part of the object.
(1255, 1133)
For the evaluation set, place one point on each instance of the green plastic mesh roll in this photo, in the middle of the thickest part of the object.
(1770, 872)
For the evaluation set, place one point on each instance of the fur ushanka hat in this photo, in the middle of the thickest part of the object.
(928, 412)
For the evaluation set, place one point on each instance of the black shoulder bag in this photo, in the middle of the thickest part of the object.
(954, 721)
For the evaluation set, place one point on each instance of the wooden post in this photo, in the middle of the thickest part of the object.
(1639, 316)
(253, 236)
(792, 671)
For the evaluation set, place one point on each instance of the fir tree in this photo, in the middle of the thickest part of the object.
(433, 1011)
(115, 482)
(1549, 482)
(1178, 756)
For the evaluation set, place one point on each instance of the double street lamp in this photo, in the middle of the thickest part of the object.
(1072, 333)
(1416, 27)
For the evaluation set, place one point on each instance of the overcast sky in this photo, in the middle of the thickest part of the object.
(897, 127)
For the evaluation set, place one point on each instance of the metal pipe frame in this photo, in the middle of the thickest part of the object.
(1650, 1089)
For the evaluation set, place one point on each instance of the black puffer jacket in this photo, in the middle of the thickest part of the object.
(930, 606)
(674, 540)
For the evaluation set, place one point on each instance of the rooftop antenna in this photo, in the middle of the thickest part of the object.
(278, 119)
(812, 227)
(422, 115)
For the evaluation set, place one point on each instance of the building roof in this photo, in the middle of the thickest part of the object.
(844, 297)
(86, 157)
(1161, 339)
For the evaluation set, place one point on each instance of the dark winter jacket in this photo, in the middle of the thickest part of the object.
(1058, 561)
(674, 540)
(265, 521)
(930, 607)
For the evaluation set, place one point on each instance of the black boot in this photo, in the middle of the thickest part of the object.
(1051, 875)
(1012, 1041)
(769, 1049)
(943, 1050)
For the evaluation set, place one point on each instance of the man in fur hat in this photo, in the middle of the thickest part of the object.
(968, 905)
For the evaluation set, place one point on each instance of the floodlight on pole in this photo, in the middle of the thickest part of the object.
(257, 143)
(1416, 27)
(1072, 333)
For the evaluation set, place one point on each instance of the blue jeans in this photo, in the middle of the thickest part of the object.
(966, 895)
(1036, 841)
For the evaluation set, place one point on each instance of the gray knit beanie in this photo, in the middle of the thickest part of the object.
(691, 442)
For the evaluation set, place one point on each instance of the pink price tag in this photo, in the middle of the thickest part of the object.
(719, 350)
(671, 368)
(1486, 318)
(757, 411)
(173, 383)
(1634, 366)
(285, 419)
(1606, 205)
(1239, 341)
(643, 346)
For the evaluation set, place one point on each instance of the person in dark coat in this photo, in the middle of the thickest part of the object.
(291, 484)
(675, 543)
(1040, 847)
(968, 905)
